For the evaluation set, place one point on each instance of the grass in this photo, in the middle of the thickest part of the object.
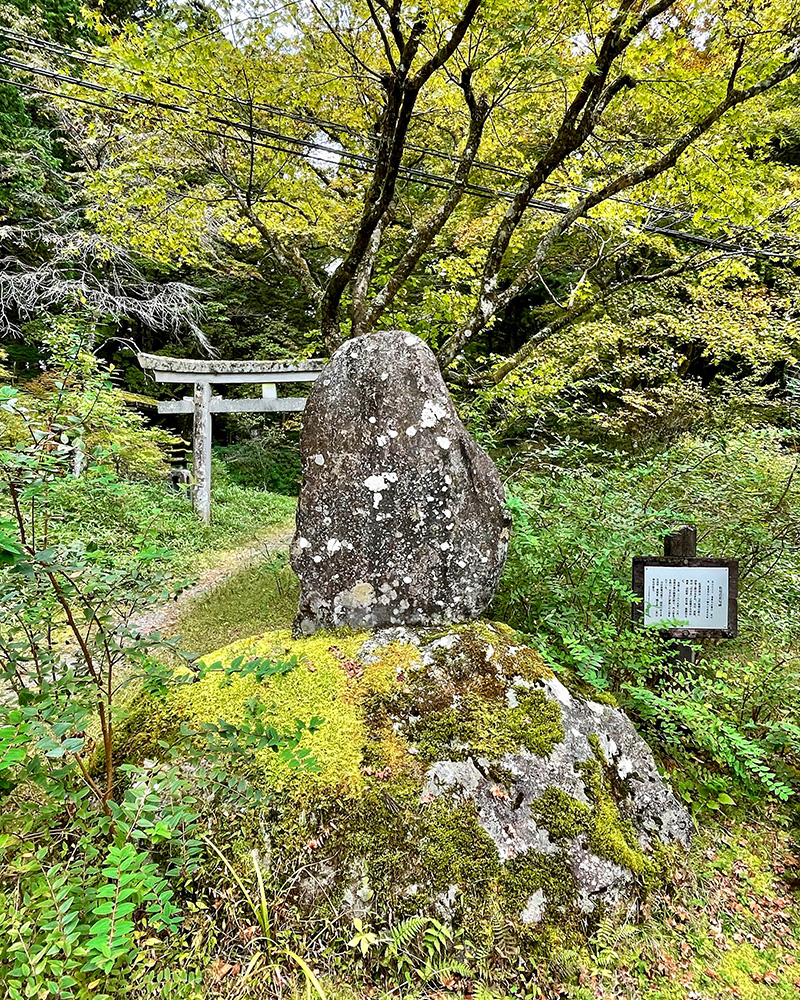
(124, 516)
(729, 929)
(258, 598)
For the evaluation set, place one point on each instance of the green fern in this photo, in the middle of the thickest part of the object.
(450, 968)
(403, 934)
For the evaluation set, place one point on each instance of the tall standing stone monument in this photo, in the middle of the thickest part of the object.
(402, 518)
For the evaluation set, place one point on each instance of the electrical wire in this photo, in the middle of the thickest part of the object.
(676, 215)
(280, 142)
(321, 123)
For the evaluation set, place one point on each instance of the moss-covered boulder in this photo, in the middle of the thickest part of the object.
(456, 776)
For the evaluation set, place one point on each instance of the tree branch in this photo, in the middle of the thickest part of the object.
(394, 22)
(440, 57)
(402, 93)
(432, 226)
(387, 48)
(363, 277)
(491, 300)
(570, 136)
(496, 376)
(289, 257)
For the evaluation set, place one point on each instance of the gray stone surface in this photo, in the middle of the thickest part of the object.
(640, 794)
(401, 518)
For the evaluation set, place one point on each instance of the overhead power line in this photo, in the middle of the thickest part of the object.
(332, 127)
(675, 215)
(322, 123)
(291, 145)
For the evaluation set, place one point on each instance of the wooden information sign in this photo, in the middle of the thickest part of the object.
(693, 598)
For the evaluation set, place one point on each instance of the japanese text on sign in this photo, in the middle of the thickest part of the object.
(691, 596)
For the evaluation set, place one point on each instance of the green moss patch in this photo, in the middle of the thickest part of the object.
(319, 686)
(607, 834)
(524, 875)
(490, 729)
(562, 816)
(457, 850)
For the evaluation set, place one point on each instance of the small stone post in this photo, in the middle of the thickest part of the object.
(201, 438)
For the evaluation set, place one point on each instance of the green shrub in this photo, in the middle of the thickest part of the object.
(568, 581)
(94, 845)
(269, 463)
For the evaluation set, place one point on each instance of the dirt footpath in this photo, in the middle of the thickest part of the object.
(161, 618)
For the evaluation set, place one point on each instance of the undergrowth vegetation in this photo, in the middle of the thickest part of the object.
(735, 713)
(255, 598)
(124, 515)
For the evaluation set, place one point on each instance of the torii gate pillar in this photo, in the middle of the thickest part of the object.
(201, 451)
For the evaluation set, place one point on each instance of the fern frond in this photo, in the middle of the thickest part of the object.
(403, 934)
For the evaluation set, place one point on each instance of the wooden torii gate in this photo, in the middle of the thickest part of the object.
(204, 374)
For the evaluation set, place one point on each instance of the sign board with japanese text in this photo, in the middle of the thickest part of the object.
(691, 598)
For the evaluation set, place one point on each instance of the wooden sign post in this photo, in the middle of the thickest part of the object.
(203, 375)
(693, 598)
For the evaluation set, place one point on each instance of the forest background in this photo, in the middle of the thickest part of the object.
(588, 211)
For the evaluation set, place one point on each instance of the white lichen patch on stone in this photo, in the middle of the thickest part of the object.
(557, 691)
(411, 431)
(625, 767)
(376, 484)
(333, 545)
(534, 908)
(432, 413)
(303, 543)
(319, 459)
(363, 593)
(443, 442)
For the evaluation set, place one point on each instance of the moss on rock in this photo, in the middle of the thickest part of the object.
(607, 833)
(530, 872)
(561, 815)
(319, 686)
(489, 729)
(456, 850)
(364, 827)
